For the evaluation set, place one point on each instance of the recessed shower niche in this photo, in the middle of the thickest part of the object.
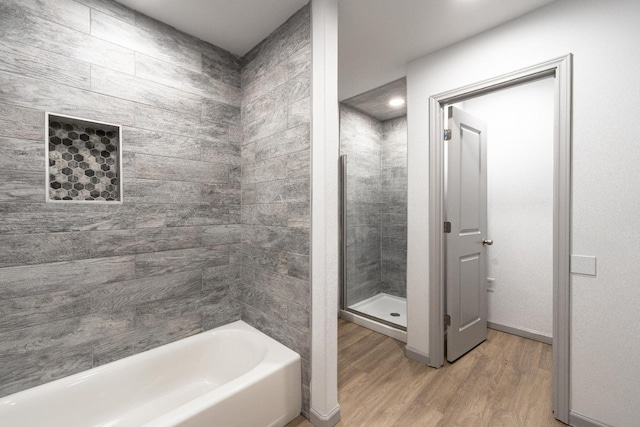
(83, 161)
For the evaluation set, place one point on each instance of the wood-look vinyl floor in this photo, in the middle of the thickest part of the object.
(504, 382)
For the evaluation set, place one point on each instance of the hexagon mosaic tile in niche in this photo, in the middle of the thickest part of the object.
(84, 160)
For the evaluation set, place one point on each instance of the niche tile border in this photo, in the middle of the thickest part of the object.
(83, 160)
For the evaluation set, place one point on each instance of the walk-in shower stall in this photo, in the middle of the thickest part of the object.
(373, 168)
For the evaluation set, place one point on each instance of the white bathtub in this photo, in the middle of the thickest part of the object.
(230, 376)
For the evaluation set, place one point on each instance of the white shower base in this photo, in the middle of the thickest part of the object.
(382, 306)
(374, 306)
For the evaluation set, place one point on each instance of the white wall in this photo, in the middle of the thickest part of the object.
(519, 204)
(604, 37)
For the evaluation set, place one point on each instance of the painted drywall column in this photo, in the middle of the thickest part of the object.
(325, 410)
(361, 142)
(83, 285)
(605, 176)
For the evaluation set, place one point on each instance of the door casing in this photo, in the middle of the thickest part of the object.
(560, 69)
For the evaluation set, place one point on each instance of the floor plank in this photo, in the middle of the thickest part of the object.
(505, 381)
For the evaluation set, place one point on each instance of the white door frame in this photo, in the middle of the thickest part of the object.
(561, 69)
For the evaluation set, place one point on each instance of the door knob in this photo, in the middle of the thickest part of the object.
(487, 242)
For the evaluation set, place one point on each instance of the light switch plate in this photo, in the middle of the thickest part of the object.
(583, 264)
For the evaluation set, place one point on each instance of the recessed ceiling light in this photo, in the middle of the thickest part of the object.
(396, 102)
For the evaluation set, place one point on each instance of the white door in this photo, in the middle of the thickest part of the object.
(466, 210)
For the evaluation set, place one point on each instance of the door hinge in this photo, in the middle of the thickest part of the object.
(447, 134)
(447, 320)
(447, 227)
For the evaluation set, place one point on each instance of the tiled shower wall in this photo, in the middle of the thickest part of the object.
(376, 204)
(82, 285)
(361, 141)
(393, 258)
(275, 292)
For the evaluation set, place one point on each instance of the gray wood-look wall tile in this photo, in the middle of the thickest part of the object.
(22, 249)
(158, 143)
(144, 339)
(142, 240)
(273, 77)
(220, 195)
(158, 311)
(222, 56)
(30, 61)
(267, 125)
(28, 280)
(180, 215)
(20, 122)
(65, 333)
(294, 240)
(157, 45)
(112, 8)
(224, 276)
(279, 97)
(265, 214)
(268, 170)
(160, 263)
(221, 235)
(21, 154)
(226, 70)
(287, 142)
(299, 113)
(297, 339)
(287, 263)
(21, 371)
(234, 214)
(20, 218)
(221, 112)
(299, 165)
(298, 316)
(132, 88)
(51, 36)
(221, 313)
(162, 192)
(172, 169)
(152, 118)
(34, 93)
(178, 77)
(264, 301)
(291, 288)
(284, 41)
(43, 308)
(219, 152)
(123, 295)
(299, 215)
(299, 62)
(64, 12)
(282, 191)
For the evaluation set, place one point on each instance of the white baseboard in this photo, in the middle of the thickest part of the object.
(521, 333)
(578, 420)
(329, 420)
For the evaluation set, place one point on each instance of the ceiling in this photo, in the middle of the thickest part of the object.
(376, 37)
(375, 102)
(234, 25)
